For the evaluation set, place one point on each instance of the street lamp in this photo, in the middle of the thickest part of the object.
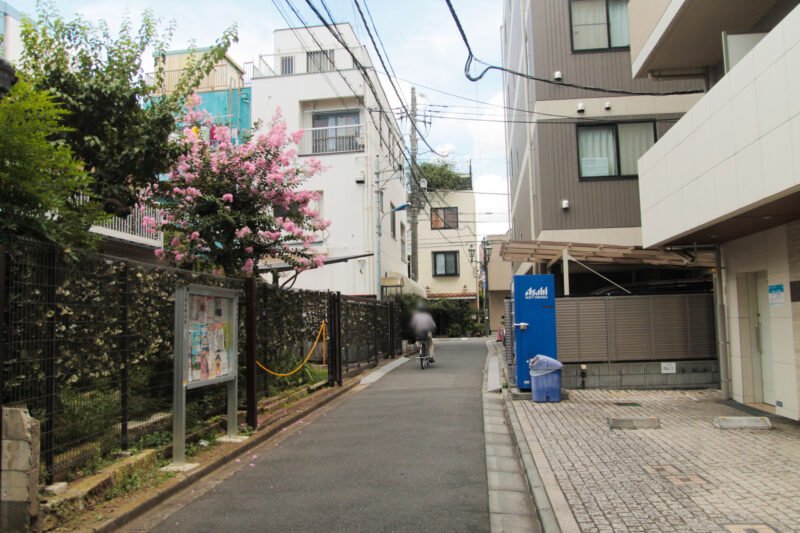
(484, 263)
(7, 77)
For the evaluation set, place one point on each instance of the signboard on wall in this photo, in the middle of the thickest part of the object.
(211, 327)
(777, 297)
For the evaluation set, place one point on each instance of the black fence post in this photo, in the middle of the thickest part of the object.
(250, 348)
(123, 347)
(331, 340)
(338, 328)
(391, 329)
(50, 370)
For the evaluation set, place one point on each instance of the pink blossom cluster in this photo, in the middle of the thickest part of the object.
(220, 200)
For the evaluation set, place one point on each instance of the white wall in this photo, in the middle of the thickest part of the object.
(11, 46)
(739, 146)
(350, 206)
(763, 251)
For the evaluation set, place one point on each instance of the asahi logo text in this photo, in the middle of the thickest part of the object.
(536, 294)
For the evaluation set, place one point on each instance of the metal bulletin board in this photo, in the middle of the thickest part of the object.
(206, 352)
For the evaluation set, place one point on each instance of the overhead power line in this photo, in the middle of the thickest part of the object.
(471, 57)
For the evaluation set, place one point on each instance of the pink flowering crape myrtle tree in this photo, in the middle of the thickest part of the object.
(226, 207)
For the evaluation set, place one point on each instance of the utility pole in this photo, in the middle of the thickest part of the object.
(378, 228)
(414, 199)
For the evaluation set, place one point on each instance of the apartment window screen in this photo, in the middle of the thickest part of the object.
(287, 65)
(335, 132)
(444, 218)
(445, 263)
(599, 24)
(319, 61)
(613, 151)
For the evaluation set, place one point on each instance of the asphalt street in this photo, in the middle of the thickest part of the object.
(404, 454)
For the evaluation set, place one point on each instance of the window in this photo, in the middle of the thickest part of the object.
(445, 263)
(613, 151)
(287, 65)
(403, 252)
(393, 220)
(599, 24)
(444, 218)
(335, 132)
(319, 61)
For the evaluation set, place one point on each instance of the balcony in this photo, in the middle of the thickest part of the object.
(728, 168)
(222, 77)
(292, 62)
(130, 229)
(332, 140)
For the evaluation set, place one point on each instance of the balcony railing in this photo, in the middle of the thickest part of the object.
(222, 77)
(130, 228)
(292, 62)
(333, 139)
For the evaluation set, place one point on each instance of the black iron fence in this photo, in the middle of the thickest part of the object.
(86, 344)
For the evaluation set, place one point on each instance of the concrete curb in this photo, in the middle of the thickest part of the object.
(547, 516)
(195, 475)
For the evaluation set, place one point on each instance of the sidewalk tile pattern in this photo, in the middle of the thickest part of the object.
(687, 476)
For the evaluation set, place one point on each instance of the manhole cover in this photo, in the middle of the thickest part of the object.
(628, 404)
(742, 422)
(634, 422)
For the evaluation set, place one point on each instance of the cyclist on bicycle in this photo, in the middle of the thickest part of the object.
(423, 325)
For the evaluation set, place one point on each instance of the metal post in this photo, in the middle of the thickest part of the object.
(565, 270)
(250, 290)
(378, 209)
(720, 317)
(375, 330)
(338, 315)
(179, 381)
(123, 348)
(50, 371)
(391, 329)
(412, 221)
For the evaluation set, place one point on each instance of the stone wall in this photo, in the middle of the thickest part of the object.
(19, 497)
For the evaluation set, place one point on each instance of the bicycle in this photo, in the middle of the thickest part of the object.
(424, 357)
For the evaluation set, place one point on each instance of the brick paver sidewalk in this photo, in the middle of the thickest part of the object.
(686, 476)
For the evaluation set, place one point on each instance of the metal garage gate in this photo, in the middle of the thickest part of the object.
(664, 327)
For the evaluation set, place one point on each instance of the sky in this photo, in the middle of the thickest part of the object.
(423, 46)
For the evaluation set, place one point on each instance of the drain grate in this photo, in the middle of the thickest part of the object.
(628, 404)
(742, 422)
(634, 422)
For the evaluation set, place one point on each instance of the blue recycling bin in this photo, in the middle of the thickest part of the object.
(545, 379)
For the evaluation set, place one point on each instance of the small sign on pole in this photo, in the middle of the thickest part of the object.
(206, 353)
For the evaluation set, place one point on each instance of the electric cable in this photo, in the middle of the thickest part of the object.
(471, 57)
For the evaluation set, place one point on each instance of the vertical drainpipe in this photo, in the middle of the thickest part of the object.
(720, 317)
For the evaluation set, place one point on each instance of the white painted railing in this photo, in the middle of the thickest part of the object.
(130, 228)
(333, 139)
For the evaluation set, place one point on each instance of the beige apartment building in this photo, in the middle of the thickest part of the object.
(446, 229)
(498, 280)
(727, 174)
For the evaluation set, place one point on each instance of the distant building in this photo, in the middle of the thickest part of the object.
(727, 174)
(572, 152)
(317, 86)
(446, 229)
(10, 42)
(498, 279)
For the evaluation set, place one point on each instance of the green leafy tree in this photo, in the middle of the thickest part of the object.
(119, 120)
(440, 176)
(43, 188)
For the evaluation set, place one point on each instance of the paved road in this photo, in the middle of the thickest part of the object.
(405, 454)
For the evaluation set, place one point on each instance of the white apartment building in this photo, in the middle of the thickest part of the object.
(10, 42)
(317, 86)
(727, 174)
(446, 229)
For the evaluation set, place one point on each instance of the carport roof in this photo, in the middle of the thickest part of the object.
(549, 252)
